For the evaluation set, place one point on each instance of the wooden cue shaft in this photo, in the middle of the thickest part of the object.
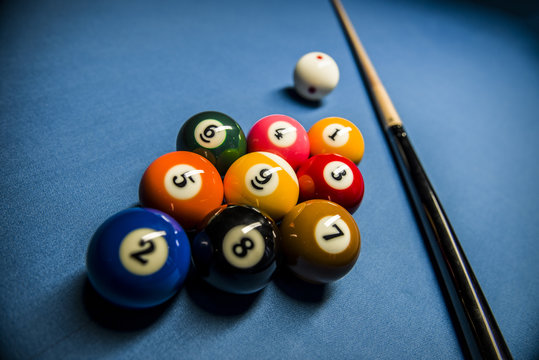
(481, 336)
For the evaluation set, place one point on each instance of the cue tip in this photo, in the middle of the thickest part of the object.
(386, 110)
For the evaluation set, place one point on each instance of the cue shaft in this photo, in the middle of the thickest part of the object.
(481, 335)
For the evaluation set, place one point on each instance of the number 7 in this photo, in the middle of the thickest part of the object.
(334, 235)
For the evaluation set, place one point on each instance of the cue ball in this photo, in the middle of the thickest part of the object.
(182, 184)
(262, 180)
(215, 136)
(332, 177)
(281, 135)
(320, 241)
(338, 136)
(316, 75)
(138, 258)
(236, 250)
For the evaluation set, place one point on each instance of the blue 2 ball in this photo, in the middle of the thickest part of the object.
(138, 258)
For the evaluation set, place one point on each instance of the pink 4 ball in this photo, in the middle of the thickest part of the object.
(280, 135)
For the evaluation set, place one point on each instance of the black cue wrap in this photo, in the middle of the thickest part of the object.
(479, 328)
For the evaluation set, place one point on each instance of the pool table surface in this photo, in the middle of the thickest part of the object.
(93, 91)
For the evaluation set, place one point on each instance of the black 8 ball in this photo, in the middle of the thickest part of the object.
(236, 249)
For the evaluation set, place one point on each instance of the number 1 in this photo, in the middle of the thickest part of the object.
(332, 136)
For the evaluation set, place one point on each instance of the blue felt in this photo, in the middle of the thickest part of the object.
(92, 91)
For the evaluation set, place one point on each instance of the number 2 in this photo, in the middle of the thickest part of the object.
(144, 251)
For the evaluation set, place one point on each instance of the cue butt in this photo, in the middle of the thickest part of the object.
(481, 334)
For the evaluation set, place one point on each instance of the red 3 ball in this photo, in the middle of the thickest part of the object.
(280, 135)
(332, 177)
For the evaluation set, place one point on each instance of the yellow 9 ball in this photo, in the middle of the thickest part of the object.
(338, 136)
(263, 180)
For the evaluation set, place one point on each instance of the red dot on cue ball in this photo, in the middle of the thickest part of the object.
(316, 74)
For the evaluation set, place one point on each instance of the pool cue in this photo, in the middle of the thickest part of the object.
(481, 334)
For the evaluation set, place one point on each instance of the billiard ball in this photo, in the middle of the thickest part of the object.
(316, 75)
(281, 135)
(182, 184)
(138, 258)
(337, 135)
(263, 180)
(236, 249)
(320, 241)
(215, 136)
(332, 177)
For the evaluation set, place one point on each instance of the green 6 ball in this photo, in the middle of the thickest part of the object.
(214, 135)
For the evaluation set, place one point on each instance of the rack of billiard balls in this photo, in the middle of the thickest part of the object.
(281, 196)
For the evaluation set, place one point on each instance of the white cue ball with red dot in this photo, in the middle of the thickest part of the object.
(316, 75)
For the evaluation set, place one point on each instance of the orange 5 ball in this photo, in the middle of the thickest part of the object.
(182, 184)
(338, 136)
